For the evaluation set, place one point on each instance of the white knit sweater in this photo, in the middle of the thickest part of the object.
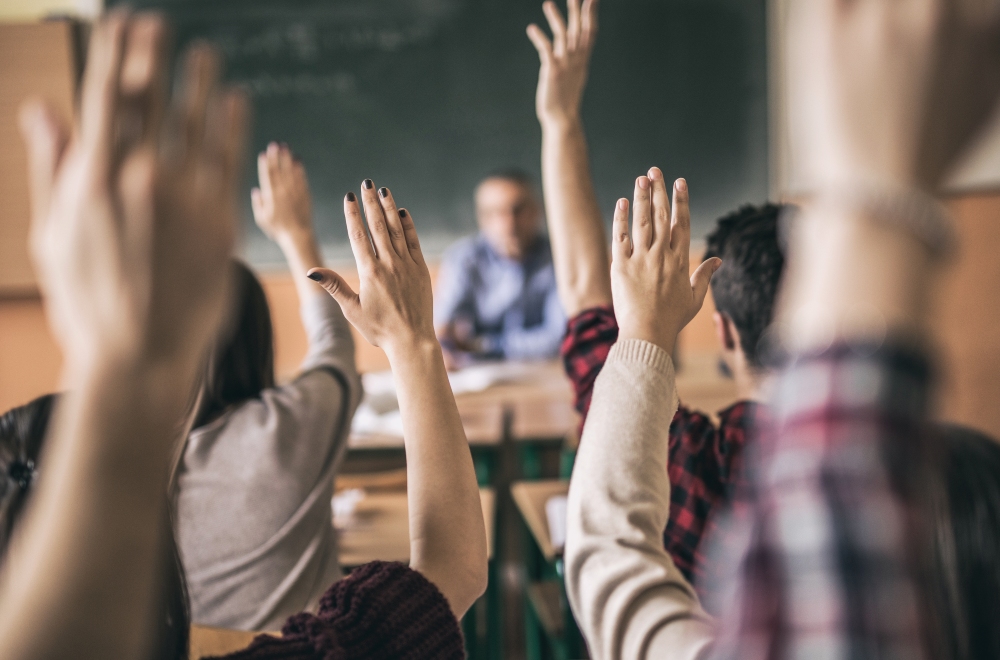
(630, 599)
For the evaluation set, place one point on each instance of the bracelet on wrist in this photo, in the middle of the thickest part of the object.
(900, 207)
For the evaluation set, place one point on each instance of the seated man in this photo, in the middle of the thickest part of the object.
(704, 459)
(496, 292)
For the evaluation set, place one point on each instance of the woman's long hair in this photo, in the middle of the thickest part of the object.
(241, 364)
(22, 437)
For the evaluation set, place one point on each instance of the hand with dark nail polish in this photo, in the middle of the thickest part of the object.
(367, 184)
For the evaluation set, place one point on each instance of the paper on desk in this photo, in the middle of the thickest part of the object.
(378, 413)
(555, 512)
(344, 504)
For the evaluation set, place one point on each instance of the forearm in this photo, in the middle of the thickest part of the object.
(447, 532)
(629, 597)
(302, 253)
(576, 227)
(94, 531)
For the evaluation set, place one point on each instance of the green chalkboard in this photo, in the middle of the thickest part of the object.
(427, 96)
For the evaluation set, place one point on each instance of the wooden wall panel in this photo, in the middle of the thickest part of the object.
(36, 59)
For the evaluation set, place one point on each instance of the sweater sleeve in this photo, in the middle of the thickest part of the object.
(382, 611)
(630, 599)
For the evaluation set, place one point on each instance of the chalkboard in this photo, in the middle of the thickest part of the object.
(428, 96)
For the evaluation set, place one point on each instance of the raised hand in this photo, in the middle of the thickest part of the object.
(889, 92)
(654, 297)
(564, 59)
(282, 206)
(393, 307)
(134, 209)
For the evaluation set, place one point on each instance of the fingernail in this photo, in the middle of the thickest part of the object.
(351, 197)
(367, 184)
(315, 276)
(623, 204)
(402, 213)
(681, 185)
(654, 173)
(643, 182)
(383, 192)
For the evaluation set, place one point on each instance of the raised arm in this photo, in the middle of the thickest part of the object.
(131, 234)
(885, 94)
(282, 208)
(628, 595)
(393, 310)
(576, 228)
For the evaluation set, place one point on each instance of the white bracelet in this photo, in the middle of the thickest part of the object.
(909, 209)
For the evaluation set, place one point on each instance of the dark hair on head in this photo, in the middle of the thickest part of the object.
(241, 365)
(515, 174)
(22, 436)
(22, 432)
(968, 543)
(745, 287)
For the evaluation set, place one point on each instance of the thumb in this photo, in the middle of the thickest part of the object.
(337, 287)
(540, 42)
(702, 277)
(45, 139)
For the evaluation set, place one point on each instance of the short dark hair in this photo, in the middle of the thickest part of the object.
(241, 365)
(514, 174)
(746, 286)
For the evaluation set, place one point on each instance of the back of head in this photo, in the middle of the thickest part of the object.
(22, 436)
(968, 536)
(241, 365)
(745, 287)
(22, 432)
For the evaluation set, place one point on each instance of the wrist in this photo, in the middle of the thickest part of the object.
(560, 124)
(417, 349)
(652, 333)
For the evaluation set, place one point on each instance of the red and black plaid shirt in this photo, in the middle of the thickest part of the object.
(704, 460)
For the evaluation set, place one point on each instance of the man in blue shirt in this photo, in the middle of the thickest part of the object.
(496, 291)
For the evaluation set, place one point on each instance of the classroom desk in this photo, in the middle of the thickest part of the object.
(483, 421)
(530, 498)
(379, 529)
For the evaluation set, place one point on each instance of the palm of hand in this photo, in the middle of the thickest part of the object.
(282, 204)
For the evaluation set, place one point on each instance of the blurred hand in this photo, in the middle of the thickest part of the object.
(281, 205)
(890, 91)
(564, 60)
(134, 210)
(654, 298)
(393, 307)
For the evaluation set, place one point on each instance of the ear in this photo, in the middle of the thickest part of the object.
(725, 332)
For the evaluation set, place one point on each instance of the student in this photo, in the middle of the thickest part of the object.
(264, 452)
(132, 231)
(22, 436)
(496, 291)
(704, 459)
(833, 562)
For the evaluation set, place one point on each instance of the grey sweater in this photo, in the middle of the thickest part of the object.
(254, 523)
(630, 599)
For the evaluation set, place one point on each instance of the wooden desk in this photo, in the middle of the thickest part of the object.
(482, 420)
(207, 642)
(379, 529)
(530, 498)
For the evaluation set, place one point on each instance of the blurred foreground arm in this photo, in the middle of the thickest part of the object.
(133, 222)
(393, 310)
(576, 228)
